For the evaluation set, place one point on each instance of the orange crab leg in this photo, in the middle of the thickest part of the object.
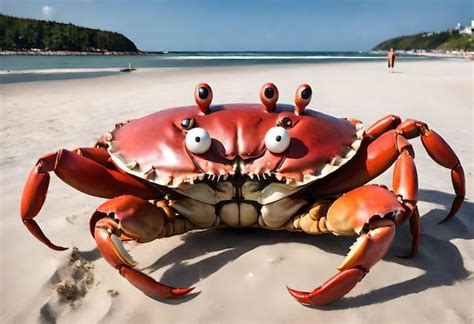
(379, 151)
(89, 174)
(435, 146)
(382, 125)
(405, 178)
(414, 231)
(97, 155)
(137, 219)
(372, 159)
(444, 155)
(405, 186)
(441, 153)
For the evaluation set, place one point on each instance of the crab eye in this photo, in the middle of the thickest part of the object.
(198, 140)
(277, 139)
(286, 122)
(188, 123)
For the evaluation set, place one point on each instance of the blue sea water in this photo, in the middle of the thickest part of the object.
(27, 68)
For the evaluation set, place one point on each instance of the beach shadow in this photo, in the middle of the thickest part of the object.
(440, 260)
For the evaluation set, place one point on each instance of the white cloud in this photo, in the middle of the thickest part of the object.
(47, 11)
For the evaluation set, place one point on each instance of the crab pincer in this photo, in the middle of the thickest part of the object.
(331, 290)
(374, 221)
(131, 218)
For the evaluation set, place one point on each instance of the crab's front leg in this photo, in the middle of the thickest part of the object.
(374, 220)
(86, 169)
(372, 212)
(132, 218)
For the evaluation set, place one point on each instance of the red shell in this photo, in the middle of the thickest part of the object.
(319, 144)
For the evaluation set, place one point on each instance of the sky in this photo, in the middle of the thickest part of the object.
(252, 25)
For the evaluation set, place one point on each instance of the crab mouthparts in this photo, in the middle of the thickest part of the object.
(238, 164)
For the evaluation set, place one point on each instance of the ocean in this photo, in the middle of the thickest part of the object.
(29, 68)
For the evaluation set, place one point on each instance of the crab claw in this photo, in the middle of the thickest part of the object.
(151, 287)
(368, 249)
(356, 213)
(332, 290)
(129, 211)
(112, 249)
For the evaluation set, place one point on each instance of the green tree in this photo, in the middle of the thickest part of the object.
(20, 33)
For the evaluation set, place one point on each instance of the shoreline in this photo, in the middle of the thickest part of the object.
(68, 53)
(429, 53)
(64, 74)
(38, 52)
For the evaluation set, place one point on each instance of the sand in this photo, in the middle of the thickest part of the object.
(239, 274)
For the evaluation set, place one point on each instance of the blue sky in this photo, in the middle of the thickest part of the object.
(337, 25)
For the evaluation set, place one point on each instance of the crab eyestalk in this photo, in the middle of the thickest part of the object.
(203, 97)
(302, 98)
(269, 96)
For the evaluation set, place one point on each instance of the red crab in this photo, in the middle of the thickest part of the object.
(263, 165)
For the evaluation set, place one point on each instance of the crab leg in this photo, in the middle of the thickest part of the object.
(415, 233)
(86, 169)
(373, 159)
(133, 219)
(382, 125)
(435, 146)
(441, 153)
(357, 213)
(378, 155)
(405, 186)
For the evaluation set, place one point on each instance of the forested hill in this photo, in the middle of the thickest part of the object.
(444, 41)
(17, 34)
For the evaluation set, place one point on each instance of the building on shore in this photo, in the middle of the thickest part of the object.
(466, 30)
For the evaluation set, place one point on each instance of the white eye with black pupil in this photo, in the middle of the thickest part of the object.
(198, 140)
(277, 140)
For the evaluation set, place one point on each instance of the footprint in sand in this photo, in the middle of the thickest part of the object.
(69, 284)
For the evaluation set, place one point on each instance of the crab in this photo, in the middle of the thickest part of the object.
(266, 165)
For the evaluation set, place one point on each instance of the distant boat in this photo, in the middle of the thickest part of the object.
(129, 69)
(165, 51)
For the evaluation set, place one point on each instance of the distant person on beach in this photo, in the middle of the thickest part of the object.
(391, 60)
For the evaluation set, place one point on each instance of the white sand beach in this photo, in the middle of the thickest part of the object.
(239, 274)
